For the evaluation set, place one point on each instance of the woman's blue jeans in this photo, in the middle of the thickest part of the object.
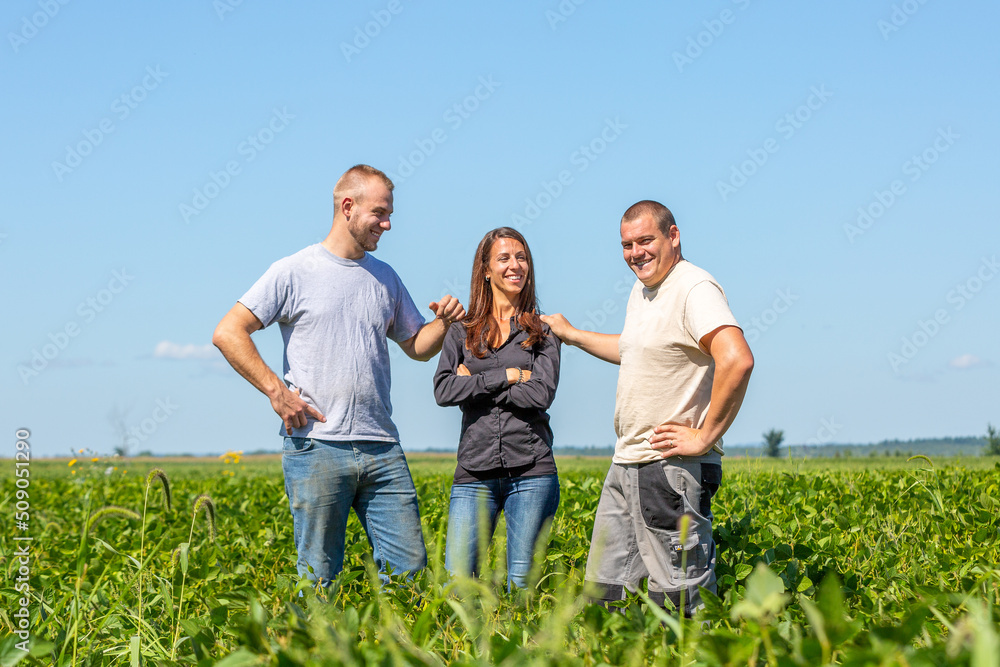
(325, 479)
(527, 503)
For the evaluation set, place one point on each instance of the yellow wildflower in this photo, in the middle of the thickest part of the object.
(231, 456)
(72, 463)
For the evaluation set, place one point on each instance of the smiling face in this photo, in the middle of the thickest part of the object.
(648, 252)
(508, 269)
(368, 214)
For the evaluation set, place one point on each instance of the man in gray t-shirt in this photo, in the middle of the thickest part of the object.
(337, 306)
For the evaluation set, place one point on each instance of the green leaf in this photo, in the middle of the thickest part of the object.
(765, 596)
(185, 546)
(661, 615)
(239, 658)
(816, 622)
(742, 570)
(10, 655)
(986, 649)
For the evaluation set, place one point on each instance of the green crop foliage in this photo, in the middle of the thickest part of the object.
(848, 562)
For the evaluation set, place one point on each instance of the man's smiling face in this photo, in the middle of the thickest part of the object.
(369, 216)
(648, 252)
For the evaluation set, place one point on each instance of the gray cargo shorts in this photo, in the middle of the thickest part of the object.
(636, 532)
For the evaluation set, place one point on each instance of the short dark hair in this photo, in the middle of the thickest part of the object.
(661, 214)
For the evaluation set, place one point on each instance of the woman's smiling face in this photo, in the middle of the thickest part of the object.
(508, 267)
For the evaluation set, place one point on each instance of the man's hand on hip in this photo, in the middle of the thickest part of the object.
(293, 410)
(677, 440)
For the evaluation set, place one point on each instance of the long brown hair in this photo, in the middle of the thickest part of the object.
(479, 323)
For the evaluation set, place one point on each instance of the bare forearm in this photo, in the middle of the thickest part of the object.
(428, 340)
(602, 346)
(241, 353)
(729, 387)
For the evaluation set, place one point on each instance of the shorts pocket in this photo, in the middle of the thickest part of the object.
(697, 552)
(661, 505)
(711, 479)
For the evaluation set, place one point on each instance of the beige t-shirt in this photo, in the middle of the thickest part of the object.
(665, 376)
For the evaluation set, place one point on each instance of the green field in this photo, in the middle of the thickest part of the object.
(854, 562)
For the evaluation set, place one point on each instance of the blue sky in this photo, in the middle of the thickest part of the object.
(833, 165)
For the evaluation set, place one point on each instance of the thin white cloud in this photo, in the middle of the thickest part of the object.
(166, 349)
(967, 361)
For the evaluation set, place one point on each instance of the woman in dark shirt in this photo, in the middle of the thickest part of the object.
(501, 366)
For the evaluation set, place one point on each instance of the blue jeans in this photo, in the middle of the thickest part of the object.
(527, 503)
(325, 479)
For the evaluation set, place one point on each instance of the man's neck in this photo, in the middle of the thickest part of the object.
(665, 275)
(340, 242)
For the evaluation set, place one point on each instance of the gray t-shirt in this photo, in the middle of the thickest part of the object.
(335, 317)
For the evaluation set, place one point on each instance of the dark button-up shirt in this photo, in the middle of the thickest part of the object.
(503, 425)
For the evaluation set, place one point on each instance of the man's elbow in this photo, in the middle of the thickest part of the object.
(737, 361)
(411, 350)
(221, 336)
(743, 364)
(228, 335)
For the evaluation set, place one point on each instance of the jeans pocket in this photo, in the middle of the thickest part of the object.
(661, 505)
(297, 446)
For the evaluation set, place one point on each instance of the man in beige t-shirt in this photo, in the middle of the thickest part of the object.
(685, 366)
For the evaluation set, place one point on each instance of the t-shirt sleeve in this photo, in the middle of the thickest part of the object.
(706, 309)
(270, 298)
(406, 318)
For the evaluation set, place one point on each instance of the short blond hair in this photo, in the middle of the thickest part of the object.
(352, 183)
